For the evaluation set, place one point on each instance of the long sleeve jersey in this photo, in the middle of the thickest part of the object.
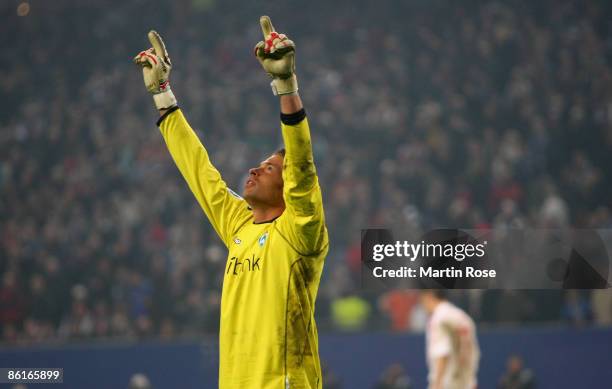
(268, 336)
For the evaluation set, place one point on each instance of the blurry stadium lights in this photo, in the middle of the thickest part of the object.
(23, 9)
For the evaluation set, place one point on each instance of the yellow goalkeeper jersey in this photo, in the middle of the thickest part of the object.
(268, 336)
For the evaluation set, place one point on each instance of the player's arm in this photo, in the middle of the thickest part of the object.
(301, 190)
(465, 345)
(441, 366)
(441, 349)
(303, 219)
(223, 208)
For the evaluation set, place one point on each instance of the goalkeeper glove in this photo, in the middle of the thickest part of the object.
(276, 53)
(156, 68)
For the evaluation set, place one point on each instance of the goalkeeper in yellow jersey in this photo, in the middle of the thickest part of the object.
(275, 233)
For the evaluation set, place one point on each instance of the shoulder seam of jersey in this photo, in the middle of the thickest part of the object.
(236, 195)
(237, 228)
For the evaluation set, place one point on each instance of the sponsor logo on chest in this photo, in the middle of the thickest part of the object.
(237, 266)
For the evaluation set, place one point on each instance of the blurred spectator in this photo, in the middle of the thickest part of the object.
(330, 379)
(12, 304)
(398, 305)
(350, 313)
(79, 323)
(577, 307)
(139, 381)
(517, 376)
(394, 377)
(602, 307)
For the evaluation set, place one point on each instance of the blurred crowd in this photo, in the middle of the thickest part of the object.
(516, 376)
(470, 115)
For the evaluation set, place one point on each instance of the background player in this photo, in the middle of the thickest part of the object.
(276, 234)
(452, 347)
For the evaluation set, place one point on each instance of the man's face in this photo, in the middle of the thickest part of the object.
(264, 186)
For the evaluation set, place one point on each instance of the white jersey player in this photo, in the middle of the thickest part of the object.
(452, 347)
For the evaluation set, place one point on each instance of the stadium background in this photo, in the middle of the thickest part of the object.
(424, 113)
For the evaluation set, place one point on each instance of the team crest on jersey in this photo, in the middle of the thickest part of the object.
(262, 239)
(237, 240)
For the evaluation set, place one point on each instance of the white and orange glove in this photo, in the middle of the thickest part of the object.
(156, 68)
(276, 53)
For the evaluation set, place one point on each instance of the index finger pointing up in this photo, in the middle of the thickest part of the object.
(266, 26)
(158, 44)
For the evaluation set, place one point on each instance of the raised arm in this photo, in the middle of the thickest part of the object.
(303, 220)
(224, 208)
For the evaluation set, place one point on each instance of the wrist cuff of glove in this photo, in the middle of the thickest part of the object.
(165, 99)
(285, 86)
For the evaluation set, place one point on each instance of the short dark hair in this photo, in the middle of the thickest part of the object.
(440, 294)
(280, 152)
